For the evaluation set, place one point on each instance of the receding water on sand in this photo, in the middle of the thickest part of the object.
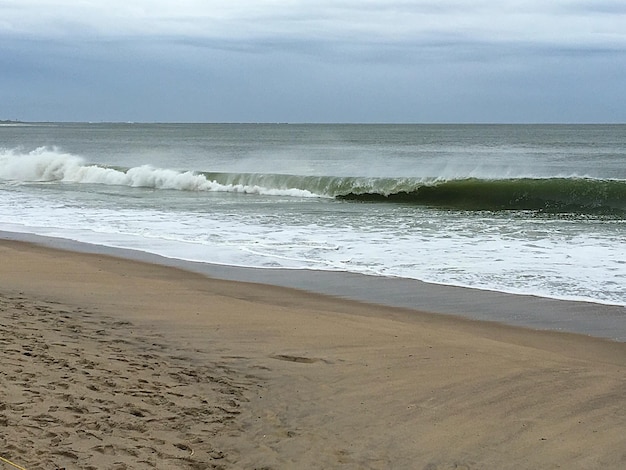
(605, 321)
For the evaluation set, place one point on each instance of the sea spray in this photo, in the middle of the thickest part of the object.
(559, 194)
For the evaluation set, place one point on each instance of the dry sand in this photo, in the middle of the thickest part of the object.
(113, 364)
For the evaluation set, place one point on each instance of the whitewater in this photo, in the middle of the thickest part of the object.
(537, 210)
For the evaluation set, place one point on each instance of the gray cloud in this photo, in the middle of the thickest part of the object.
(341, 60)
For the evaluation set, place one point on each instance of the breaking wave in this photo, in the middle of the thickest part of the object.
(558, 194)
(51, 165)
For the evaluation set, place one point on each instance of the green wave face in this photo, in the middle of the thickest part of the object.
(557, 195)
(577, 195)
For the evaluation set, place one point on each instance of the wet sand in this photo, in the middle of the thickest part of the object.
(110, 363)
(540, 313)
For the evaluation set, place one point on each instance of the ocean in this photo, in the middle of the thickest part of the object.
(525, 209)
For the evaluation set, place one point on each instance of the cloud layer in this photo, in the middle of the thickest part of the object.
(572, 23)
(367, 60)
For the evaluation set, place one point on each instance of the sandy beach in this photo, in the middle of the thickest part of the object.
(109, 363)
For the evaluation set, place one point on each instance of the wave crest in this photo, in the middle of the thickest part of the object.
(49, 165)
(558, 194)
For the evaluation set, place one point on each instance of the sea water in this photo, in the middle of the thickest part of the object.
(530, 209)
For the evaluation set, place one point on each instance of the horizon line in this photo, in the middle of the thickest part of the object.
(356, 123)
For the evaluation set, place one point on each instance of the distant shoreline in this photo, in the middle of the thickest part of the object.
(269, 123)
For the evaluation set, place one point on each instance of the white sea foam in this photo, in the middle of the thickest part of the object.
(50, 164)
(533, 256)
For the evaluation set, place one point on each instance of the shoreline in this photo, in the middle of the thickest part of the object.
(528, 311)
(117, 363)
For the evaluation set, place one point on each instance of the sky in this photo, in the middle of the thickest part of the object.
(423, 61)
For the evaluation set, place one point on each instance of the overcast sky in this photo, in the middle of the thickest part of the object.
(313, 61)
